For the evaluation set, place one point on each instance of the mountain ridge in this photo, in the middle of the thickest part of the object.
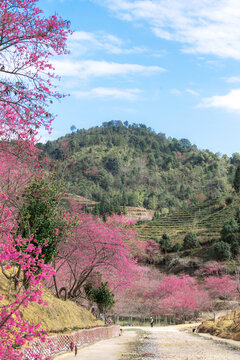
(134, 166)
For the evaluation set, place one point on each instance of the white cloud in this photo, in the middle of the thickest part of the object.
(205, 26)
(100, 92)
(192, 92)
(230, 101)
(233, 79)
(81, 42)
(90, 68)
(176, 92)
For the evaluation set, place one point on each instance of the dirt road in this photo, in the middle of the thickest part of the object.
(159, 343)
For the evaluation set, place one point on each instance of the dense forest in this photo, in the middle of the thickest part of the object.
(134, 166)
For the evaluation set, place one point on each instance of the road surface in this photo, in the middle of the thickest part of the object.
(158, 343)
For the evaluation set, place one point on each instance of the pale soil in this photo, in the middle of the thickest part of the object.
(111, 349)
(159, 343)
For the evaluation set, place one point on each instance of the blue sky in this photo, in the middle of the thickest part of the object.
(173, 65)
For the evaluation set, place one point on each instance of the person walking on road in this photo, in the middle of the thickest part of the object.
(151, 321)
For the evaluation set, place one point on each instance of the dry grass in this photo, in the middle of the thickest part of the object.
(58, 316)
(227, 326)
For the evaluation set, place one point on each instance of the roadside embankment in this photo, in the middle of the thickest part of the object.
(62, 343)
(227, 326)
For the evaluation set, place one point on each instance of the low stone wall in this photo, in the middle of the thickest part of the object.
(61, 343)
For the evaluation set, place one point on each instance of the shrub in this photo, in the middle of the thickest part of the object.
(165, 243)
(190, 241)
(230, 231)
(221, 251)
(177, 247)
(234, 248)
(229, 200)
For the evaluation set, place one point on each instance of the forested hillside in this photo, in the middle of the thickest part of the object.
(134, 166)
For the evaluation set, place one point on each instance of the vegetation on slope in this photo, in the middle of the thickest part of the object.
(132, 165)
(205, 220)
(227, 326)
(58, 316)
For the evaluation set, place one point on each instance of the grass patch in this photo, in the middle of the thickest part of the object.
(58, 316)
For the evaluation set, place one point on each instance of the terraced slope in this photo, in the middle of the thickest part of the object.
(132, 212)
(206, 221)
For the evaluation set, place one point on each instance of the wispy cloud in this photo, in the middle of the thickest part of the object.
(101, 92)
(192, 92)
(92, 68)
(233, 79)
(81, 42)
(206, 26)
(230, 101)
(178, 92)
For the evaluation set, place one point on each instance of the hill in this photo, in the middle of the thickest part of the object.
(133, 166)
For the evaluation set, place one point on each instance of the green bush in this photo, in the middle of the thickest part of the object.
(165, 243)
(177, 247)
(101, 295)
(229, 231)
(221, 251)
(190, 241)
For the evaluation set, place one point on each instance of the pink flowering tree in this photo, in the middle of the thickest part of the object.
(121, 220)
(144, 251)
(14, 330)
(220, 288)
(27, 43)
(134, 301)
(212, 268)
(27, 245)
(92, 246)
(223, 287)
(179, 296)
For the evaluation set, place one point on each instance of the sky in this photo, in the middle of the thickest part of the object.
(173, 65)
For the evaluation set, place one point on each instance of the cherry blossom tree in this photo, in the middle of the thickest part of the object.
(19, 255)
(180, 296)
(220, 288)
(27, 43)
(134, 301)
(92, 246)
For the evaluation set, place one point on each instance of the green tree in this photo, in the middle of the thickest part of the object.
(113, 165)
(101, 295)
(230, 234)
(40, 216)
(177, 247)
(165, 243)
(190, 241)
(73, 128)
(230, 231)
(236, 181)
(221, 251)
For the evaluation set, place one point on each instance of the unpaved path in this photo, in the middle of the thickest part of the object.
(111, 349)
(159, 343)
(173, 344)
